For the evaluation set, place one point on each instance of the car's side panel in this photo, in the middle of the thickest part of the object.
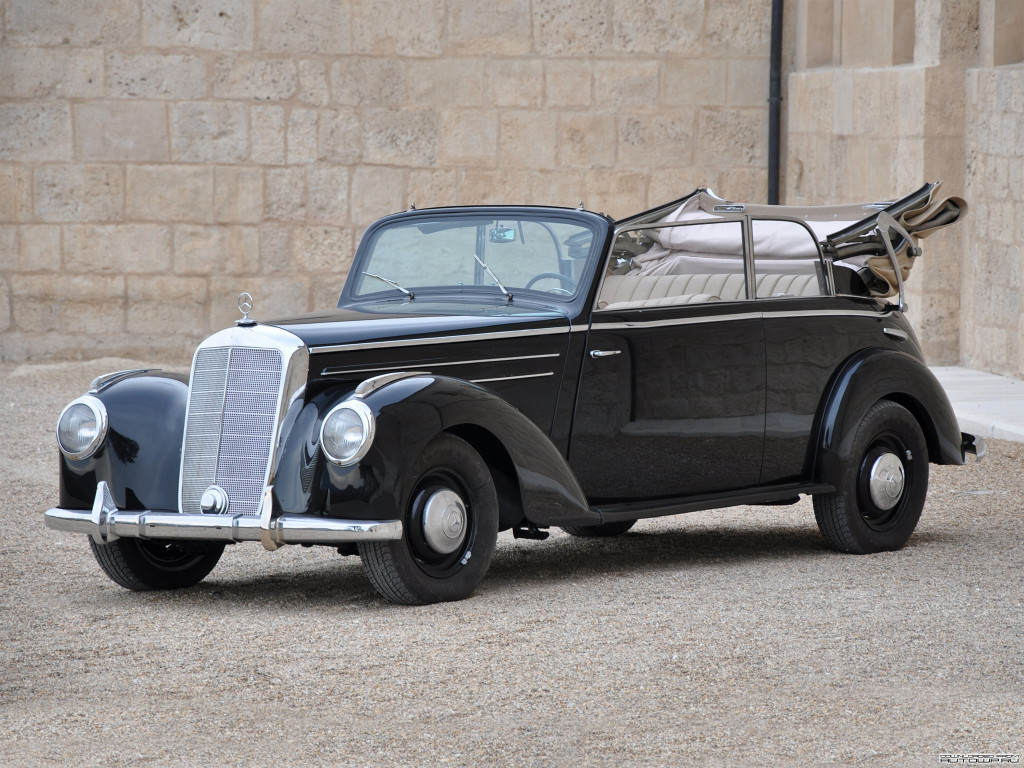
(141, 456)
(807, 341)
(671, 402)
(523, 366)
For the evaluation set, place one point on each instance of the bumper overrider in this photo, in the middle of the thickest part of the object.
(105, 523)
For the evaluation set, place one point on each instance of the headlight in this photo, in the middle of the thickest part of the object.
(347, 432)
(82, 427)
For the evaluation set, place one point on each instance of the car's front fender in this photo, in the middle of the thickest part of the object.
(141, 457)
(412, 411)
(866, 378)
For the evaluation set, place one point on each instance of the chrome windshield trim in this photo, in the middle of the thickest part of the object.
(490, 336)
(480, 361)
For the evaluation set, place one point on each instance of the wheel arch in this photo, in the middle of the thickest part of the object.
(503, 471)
(532, 478)
(864, 380)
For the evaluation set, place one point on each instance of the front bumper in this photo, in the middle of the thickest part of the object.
(105, 522)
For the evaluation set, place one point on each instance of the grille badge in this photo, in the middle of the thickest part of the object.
(215, 501)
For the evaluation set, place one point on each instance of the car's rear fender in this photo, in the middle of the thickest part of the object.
(141, 457)
(864, 379)
(531, 476)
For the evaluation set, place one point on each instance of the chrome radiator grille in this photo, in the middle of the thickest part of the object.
(234, 399)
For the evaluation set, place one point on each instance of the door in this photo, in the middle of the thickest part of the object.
(671, 400)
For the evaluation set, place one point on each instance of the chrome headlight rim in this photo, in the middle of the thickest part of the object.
(99, 412)
(369, 426)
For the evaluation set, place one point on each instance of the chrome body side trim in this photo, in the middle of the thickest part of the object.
(510, 378)
(101, 382)
(369, 386)
(490, 336)
(106, 523)
(409, 366)
(896, 333)
(704, 319)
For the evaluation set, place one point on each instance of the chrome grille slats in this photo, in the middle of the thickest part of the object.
(234, 401)
(203, 425)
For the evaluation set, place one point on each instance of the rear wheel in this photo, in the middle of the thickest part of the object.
(147, 564)
(599, 531)
(450, 528)
(881, 492)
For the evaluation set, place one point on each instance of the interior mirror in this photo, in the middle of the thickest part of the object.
(502, 235)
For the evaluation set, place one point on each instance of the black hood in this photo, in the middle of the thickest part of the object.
(390, 321)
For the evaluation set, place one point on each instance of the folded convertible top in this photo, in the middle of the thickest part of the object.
(856, 235)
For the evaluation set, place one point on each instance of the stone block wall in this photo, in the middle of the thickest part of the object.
(157, 157)
(992, 309)
(876, 108)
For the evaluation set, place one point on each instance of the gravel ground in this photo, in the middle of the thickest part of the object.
(730, 637)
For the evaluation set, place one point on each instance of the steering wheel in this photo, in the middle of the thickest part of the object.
(553, 276)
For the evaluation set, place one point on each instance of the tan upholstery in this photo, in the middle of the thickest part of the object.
(632, 291)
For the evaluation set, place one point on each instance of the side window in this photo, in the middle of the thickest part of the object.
(786, 260)
(675, 264)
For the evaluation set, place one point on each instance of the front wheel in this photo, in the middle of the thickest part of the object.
(147, 564)
(450, 528)
(881, 492)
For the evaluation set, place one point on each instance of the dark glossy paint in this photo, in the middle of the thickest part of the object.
(410, 413)
(678, 409)
(141, 457)
(807, 340)
(866, 378)
(518, 354)
(704, 405)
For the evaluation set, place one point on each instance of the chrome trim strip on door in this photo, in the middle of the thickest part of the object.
(703, 319)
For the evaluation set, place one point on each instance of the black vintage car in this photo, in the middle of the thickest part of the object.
(495, 368)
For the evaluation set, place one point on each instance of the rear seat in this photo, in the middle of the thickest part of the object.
(633, 291)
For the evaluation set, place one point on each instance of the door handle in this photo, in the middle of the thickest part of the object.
(595, 353)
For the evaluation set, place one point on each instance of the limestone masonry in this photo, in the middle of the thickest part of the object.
(158, 157)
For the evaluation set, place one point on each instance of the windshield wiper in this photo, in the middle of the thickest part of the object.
(392, 283)
(494, 277)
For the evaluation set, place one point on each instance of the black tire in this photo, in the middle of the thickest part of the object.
(599, 531)
(146, 564)
(434, 563)
(858, 520)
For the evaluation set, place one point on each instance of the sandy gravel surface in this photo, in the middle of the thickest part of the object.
(732, 637)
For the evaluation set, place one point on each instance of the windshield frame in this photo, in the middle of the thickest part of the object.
(599, 225)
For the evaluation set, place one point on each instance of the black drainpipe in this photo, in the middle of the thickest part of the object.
(775, 104)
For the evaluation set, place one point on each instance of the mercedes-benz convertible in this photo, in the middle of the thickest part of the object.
(522, 368)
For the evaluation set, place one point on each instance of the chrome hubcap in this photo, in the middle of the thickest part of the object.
(444, 521)
(886, 481)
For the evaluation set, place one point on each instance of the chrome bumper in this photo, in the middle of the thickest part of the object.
(105, 522)
(973, 444)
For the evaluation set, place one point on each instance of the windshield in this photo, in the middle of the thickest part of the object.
(540, 255)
